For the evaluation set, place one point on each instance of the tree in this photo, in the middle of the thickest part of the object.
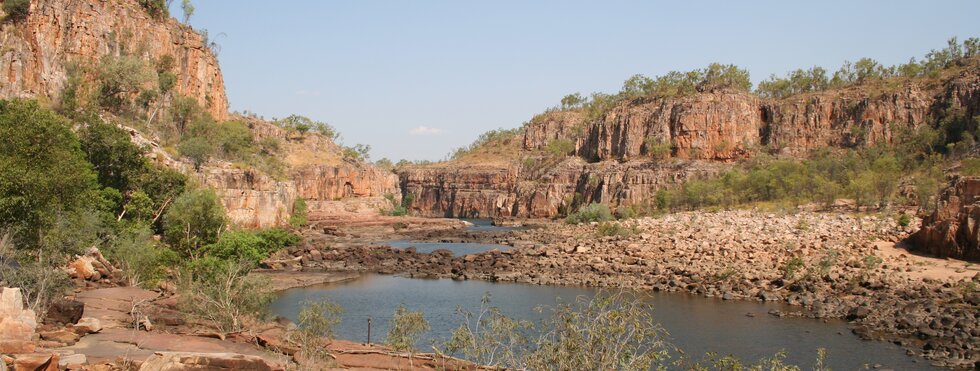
(198, 149)
(113, 155)
(405, 329)
(17, 10)
(156, 8)
(120, 79)
(44, 176)
(195, 219)
(636, 86)
(188, 9)
(575, 100)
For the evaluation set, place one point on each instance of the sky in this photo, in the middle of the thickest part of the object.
(416, 79)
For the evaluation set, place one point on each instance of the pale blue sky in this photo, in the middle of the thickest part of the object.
(377, 69)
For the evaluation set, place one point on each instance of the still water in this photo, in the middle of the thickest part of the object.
(695, 324)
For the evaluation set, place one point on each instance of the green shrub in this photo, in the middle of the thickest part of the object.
(197, 149)
(791, 267)
(615, 229)
(871, 262)
(251, 246)
(405, 329)
(44, 176)
(317, 320)
(142, 260)
(626, 212)
(299, 217)
(195, 220)
(222, 293)
(120, 79)
(155, 8)
(904, 220)
(17, 10)
(970, 167)
(560, 147)
(656, 148)
(594, 212)
(41, 282)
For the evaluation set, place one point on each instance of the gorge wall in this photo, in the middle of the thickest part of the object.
(611, 161)
(38, 50)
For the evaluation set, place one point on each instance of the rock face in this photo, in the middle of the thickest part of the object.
(38, 50)
(17, 324)
(953, 230)
(613, 160)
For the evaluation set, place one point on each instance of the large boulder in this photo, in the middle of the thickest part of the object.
(36, 362)
(953, 230)
(64, 312)
(174, 361)
(17, 324)
(92, 266)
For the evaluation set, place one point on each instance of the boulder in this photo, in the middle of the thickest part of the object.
(63, 336)
(64, 312)
(17, 324)
(36, 362)
(953, 230)
(173, 361)
(87, 325)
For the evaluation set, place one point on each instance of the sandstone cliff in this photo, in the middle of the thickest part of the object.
(37, 51)
(612, 160)
(953, 230)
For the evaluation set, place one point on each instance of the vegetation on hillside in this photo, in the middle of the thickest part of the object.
(63, 191)
(16, 10)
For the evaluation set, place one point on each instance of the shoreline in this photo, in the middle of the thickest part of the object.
(898, 300)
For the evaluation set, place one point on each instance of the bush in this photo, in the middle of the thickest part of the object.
(614, 229)
(195, 220)
(155, 8)
(141, 259)
(197, 149)
(656, 148)
(405, 329)
(304, 124)
(970, 167)
(904, 220)
(44, 177)
(299, 215)
(791, 267)
(117, 161)
(222, 293)
(40, 281)
(560, 147)
(120, 79)
(317, 320)
(594, 212)
(251, 246)
(17, 10)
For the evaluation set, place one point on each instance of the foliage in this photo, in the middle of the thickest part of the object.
(16, 10)
(490, 139)
(299, 215)
(188, 8)
(871, 262)
(572, 101)
(121, 78)
(195, 220)
(303, 124)
(904, 220)
(792, 266)
(197, 149)
(970, 167)
(357, 153)
(221, 292)
(317, 320)
(155, 8)
(249, 246)
(657, 148)
(608, 332)
(594, 212)
(614, 229)
(44, 177)
(117, 161)
(405, 329)
(40, 281)
(560, 147)
(489, 337)
(143, 260)
(867, 70)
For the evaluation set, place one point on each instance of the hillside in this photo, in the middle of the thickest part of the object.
(160, 80)
(625, 153)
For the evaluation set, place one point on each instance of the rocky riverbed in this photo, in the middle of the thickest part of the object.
(830, 265)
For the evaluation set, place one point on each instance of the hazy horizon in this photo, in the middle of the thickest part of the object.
(415, 80)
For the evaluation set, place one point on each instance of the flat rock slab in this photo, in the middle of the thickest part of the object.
(114, 343)
(112, 306)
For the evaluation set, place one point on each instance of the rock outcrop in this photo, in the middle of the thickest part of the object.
(953, 230)
(38, 50)
(615, 157)
(170, 361)
(17, 324)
